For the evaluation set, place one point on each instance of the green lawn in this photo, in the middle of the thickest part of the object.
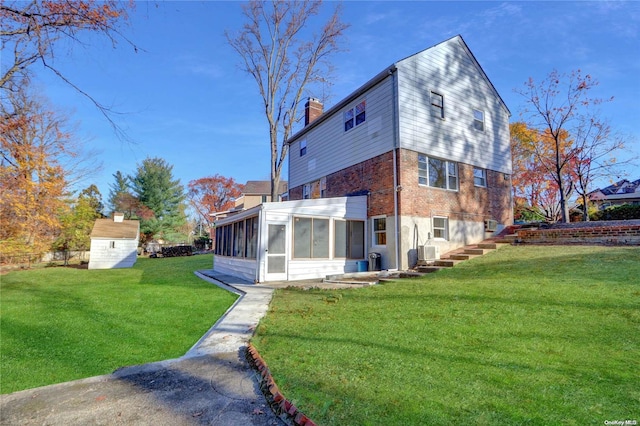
(59, 324)
(523, 335)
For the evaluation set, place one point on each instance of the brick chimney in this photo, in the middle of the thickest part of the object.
(312, 110)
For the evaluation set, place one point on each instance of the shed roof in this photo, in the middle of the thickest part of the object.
(107, 228)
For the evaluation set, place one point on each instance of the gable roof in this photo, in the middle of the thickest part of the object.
(263, 187)
(464, 45)
(384, 74)
(107, 228)
(619, 190)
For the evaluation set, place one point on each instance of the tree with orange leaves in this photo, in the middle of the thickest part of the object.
(213, 194)
(569, 135)
(535, 191)
(33, 181)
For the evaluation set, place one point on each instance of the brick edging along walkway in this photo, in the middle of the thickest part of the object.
(280, 405)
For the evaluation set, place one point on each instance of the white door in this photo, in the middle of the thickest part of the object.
(276, 252)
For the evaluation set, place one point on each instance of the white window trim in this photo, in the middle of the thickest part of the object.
(445, 229)
(446, 166)
(435, 107)
(475, 120)
(354, 115)
(374, 232)
(484, 177)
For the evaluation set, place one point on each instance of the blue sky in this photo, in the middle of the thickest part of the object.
(185, 99)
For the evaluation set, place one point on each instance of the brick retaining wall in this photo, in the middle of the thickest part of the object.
(623, 233)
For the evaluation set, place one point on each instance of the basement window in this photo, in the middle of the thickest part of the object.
(441, 228)
(379, 231)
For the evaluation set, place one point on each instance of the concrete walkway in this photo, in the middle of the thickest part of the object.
(211, 385)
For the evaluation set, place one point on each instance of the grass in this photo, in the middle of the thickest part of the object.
(523, 335)
(60, 324)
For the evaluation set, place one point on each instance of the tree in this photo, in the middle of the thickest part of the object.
(535, 190)
(283, 64)
(594, 157)
(558, 107)
(93, 197)
(213, 194)
(77, 222)
(116, 192)
(33, 182)
(575, 144)
(30, 30)
(153, 185)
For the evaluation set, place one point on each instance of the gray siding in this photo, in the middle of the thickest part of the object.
(330, 148)
(450, 70)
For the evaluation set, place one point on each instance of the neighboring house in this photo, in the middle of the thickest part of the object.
(622, 192)
(256, 192)
(114, 243)
(425, 144)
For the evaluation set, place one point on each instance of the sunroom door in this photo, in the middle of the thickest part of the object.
(276, 252)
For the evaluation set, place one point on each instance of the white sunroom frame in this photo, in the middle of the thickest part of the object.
(281, 215)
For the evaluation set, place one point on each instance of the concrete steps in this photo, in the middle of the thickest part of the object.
(449, 260)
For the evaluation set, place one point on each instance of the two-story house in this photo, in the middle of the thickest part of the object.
(256, 192)
(417, 156)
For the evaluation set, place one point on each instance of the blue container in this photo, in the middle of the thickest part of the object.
(363, 266)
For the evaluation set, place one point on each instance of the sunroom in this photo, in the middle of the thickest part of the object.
(293, 240)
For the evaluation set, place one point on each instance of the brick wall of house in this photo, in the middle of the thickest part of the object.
(621, 234)
(469, 203)
(375, 177)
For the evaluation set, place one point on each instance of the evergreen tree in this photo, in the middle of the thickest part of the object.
(154, 186)
(117, 189)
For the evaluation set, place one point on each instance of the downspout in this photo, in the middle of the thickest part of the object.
(396, 188)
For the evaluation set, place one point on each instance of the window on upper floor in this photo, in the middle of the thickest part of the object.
(479, 177)
(437, 173)
(355, 116)
(441, 228)
(303, 147)
(478, 120)
(306, 191)
(437, 105)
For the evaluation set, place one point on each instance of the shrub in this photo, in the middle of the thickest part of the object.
(623, 212)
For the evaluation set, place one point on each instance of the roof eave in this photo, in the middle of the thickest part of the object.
(350, 98)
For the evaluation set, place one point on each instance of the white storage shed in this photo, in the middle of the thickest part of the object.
(114, 243)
